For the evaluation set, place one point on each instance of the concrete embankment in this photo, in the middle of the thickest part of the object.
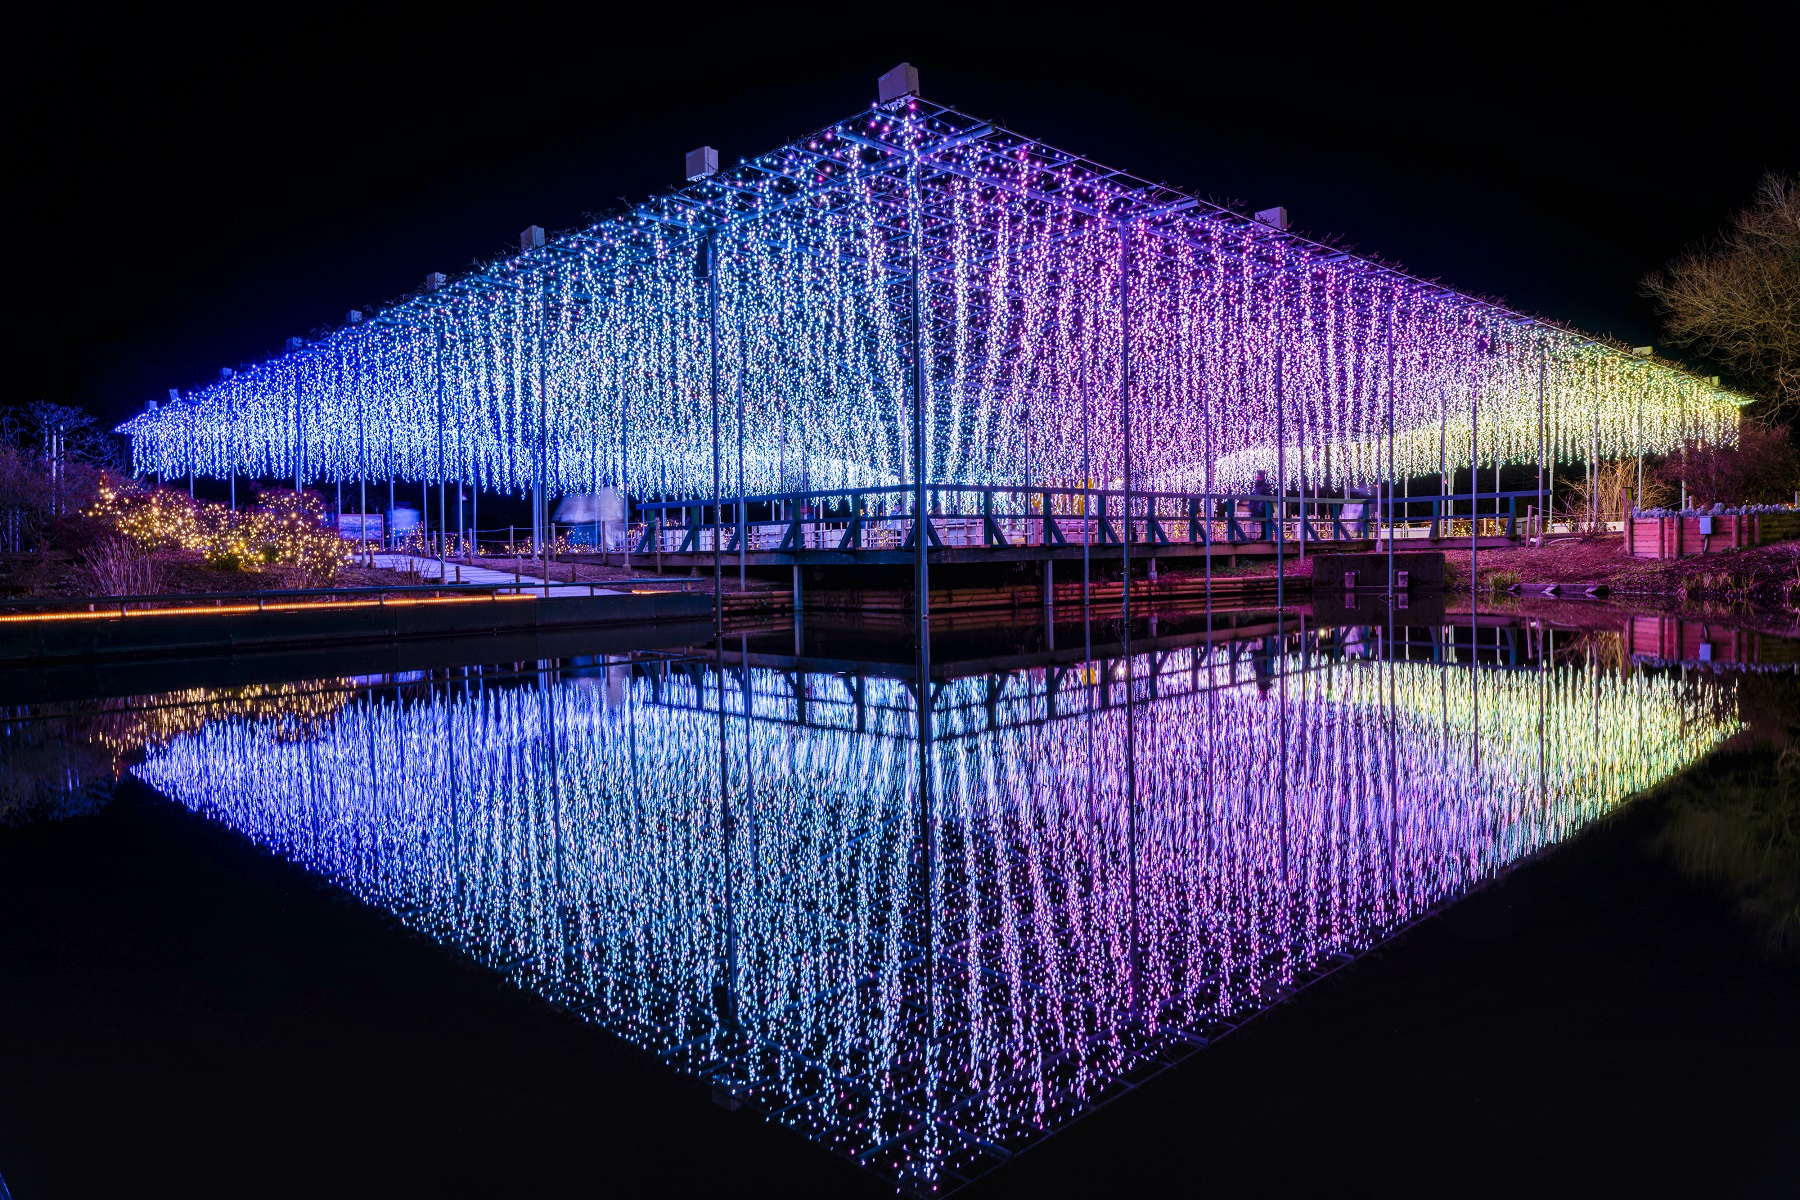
(180, 632)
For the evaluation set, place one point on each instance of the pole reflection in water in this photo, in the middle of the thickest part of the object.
(930, 988)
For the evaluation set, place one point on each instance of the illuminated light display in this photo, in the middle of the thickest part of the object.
(587, 362)
(285, 527)
(78, 750)
(930, 991)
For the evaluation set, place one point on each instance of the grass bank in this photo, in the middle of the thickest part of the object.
(1758, 580)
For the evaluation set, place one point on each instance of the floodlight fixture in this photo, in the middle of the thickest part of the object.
(1275, 218)
(530, 238)
(701, 162)
(897, 84)
(434, 281)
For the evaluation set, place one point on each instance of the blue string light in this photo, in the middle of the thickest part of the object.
(1021, 248)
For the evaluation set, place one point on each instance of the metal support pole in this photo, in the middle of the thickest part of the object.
(540, 515)
(1125, 416)
(1390, 483)
(1474, 523)
(1132, 993)
(1444, 488)
(921, 539)
(708, 271)
(1543, 523)
(1594, 461)
(743, 526)
(439, 374)
(922, 584)
(1206, 527)
(624, 488)
(234, 457)
(362, 478)
(726, 813)
(1280, 487)
(1087, 507)
(1302, 474)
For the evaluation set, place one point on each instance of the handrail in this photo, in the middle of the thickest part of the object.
(802, 519)
(858, 518)
(1030, 490)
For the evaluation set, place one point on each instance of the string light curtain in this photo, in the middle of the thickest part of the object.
(586, 362)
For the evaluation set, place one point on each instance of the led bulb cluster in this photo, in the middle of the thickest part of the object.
(974, 970)
(1038, 276)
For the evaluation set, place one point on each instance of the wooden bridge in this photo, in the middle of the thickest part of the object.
(971, 524)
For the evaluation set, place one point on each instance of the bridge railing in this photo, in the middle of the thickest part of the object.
(998, 516)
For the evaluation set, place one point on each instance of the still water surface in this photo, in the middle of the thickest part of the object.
(1121, 852)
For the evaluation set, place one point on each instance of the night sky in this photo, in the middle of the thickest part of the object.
(184, 199)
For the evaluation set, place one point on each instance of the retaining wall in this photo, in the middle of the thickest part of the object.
(173, 633)
(1683, 537)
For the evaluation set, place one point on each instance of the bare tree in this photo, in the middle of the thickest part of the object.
(1736, 300)
(68, 445)
(1763, 468)
(66, 434)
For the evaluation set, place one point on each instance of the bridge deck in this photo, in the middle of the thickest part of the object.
(997, 524)
(867, 556)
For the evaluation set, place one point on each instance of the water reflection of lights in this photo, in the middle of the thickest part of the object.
(64, 759)
(930, 1005)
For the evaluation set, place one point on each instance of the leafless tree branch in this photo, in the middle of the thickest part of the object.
(1737, 300)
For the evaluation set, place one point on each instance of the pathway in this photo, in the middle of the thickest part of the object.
(455, 572)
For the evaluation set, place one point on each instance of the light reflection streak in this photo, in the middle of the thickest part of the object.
(566, 832)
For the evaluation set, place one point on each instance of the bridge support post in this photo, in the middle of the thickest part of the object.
(797, 605)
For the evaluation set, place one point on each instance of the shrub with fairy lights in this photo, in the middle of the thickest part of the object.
(288, 528)
(151, 519)
(285, 529)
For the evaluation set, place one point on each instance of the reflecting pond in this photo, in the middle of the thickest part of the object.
(924, 911)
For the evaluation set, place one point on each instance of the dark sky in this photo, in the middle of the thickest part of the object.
(185, 199)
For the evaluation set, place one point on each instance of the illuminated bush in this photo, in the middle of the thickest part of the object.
(285, 529)
(289, 528)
